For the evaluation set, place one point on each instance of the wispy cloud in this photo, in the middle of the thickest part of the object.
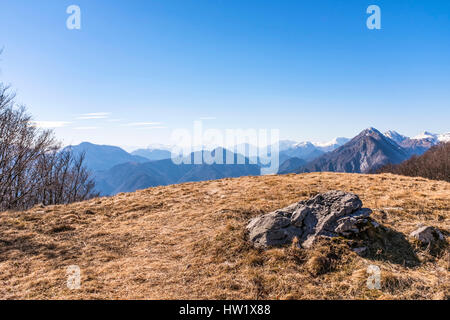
(95, 115)
(149, 128)
(49, 124)
(141, 124)
(86, 128)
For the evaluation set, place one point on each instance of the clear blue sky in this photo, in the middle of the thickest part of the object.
(309, 68)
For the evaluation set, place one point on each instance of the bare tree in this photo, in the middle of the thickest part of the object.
(63, 179)
(33, 169)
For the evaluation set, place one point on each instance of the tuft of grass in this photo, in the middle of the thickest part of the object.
(393, 283)
(326, 256)
(319, 264)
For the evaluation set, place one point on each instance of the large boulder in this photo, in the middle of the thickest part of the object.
(331, 214)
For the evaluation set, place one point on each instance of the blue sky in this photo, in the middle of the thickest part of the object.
(139, 69)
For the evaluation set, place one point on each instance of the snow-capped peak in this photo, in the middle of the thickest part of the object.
(445, 137)
(303, 144)
(339, 141)
(394, 135)
(426, 135)
(331, 145)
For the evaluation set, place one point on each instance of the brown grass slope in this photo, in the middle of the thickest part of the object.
(188, 241)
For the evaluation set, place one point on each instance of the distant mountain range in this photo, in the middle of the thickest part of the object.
(306, 151)
(417, 145)
(369, 151)
(100, 157)
(116, 170)
(132, 176)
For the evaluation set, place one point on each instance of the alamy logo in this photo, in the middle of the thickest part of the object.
(374, 279)
(73, 277)
(230, 146)
(374, 21)
(74, 20)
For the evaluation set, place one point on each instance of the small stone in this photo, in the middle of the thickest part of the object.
(360, 251)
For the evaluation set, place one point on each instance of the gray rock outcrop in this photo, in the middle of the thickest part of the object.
(331, 214)
(427, 235)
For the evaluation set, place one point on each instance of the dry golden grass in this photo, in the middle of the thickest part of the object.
(188, 242)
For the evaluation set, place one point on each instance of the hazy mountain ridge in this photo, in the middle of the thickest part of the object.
(117, 171)
(152, 154)
(291, 165)
(130, 177)
(103, 157)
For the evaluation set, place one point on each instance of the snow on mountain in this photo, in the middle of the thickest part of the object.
(426, 135)
(324, 146)
(336, 141)
(331, 145)
(445, 137)
(394, 135)
(303, 144)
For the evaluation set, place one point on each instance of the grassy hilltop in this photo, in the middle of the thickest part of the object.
(188, 242)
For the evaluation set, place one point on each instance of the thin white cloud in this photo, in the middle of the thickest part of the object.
(158, 127)
(86, 128)
(141, 124)
(95, 115)
(49, 124)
